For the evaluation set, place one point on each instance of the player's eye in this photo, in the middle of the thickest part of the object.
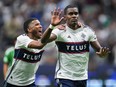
(73, 13)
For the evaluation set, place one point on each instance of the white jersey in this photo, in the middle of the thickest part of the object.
(73, 55)
(28, 62)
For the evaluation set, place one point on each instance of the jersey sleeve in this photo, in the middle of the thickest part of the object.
(5, 59)
(92, 35)
(57, 32)
(23, 41)
(6, 56)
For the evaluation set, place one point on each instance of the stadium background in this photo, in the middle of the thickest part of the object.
(99, 14)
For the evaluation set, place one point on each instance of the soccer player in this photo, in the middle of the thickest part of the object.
(28, 53)
(8, 57)
(73, 46)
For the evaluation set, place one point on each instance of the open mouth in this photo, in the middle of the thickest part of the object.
(40, 31)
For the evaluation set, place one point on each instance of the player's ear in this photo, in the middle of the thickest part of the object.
(29, 30)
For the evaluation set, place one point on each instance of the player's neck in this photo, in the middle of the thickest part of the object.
(32, 37)
(74, 26)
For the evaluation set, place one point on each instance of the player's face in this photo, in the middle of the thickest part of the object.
(36, 29)
(72, 16)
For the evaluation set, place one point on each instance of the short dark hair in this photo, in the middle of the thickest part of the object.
(26, 24)
(69, 6)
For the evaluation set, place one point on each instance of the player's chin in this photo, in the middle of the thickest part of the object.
(39, 36)
(74, 23)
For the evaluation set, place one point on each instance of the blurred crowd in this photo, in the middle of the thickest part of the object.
(98, 14)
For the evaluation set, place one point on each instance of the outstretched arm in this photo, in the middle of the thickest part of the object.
(101, 51)
(55, 20)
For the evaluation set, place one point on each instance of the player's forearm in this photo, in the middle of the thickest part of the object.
(5, 68)
(96, 45)
(46, 34)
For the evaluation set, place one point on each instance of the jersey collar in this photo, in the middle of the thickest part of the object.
(74, 31)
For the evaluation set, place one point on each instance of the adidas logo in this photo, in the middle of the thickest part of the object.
(68, 36)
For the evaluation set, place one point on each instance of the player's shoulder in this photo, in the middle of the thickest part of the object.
(58, 31)
(22, 36)
(88, 28)
(10, 49)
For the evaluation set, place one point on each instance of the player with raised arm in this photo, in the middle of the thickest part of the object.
(73, 46)
(28, 53)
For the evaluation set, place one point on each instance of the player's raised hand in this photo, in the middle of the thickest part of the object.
(56, 19)
(103, 52)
